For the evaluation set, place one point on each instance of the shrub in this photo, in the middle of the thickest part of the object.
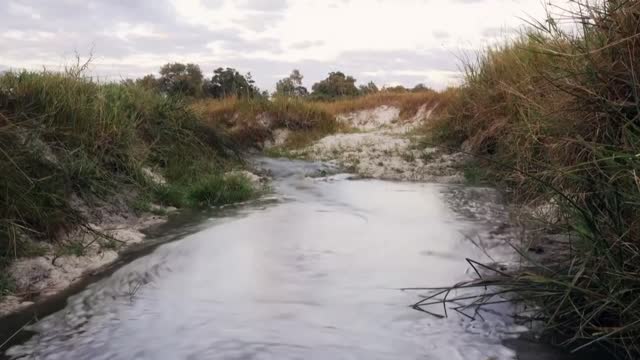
(220, 190)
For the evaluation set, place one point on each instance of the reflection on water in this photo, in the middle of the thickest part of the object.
(315, 276)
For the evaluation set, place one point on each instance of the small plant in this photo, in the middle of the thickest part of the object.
(427, 156)
(281, 152)
(408, 156)
(171, 195)
(219, 190)
(474, 174)
(7, 284)
(74, 248)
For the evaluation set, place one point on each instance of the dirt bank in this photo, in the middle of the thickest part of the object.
(382, 146)
(112, 228)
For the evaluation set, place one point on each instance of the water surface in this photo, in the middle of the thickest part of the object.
(315, 275)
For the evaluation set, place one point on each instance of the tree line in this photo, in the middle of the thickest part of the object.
(178, 79)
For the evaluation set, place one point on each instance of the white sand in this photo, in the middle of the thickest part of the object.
(383, 149)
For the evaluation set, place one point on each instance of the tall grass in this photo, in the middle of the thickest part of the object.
(556, 115)
(64, 137)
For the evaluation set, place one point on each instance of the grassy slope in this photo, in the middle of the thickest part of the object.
(252, 122)
(64, 137)
(556, 116)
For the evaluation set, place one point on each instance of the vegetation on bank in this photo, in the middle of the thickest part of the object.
(67, 142)
(409, 102)
(555, 117)
(252, 122)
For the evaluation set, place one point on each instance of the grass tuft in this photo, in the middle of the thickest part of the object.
(219, 190)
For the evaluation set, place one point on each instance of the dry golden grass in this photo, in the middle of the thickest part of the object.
(252, 122)
(408, 102)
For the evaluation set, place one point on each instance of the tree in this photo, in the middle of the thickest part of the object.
(148, 82)
(370, 88)
(229, 82)
(421, 88)
(397, 88)
(181, 79)
(291, 86)
(335, 85)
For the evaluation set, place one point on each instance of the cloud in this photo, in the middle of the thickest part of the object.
(267, 5)
(307, 44)
(388, 41)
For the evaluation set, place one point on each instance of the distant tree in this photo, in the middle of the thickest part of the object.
(148, 82)
(397, 88)
(421, 87)
(291, 86)
(370, 88)
(334, 86)
(125, 82)
(181, 79)
(229, 82)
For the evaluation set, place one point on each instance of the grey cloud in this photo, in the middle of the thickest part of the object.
(91, 24)
(267, 5)
(260, 21)
(496, 32)
(307, 44)
(441, 34)
(212, 4)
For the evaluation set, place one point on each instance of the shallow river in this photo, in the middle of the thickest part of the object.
(314, 274)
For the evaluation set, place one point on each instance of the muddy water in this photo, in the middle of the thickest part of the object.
(313, 276)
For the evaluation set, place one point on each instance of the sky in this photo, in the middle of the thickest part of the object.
(389, 42)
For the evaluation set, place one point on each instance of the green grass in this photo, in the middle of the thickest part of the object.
(64, 137)
(7, 284)
(205, 191)
(283, 152)
(74, 248)
(475, 174)
(219, 190)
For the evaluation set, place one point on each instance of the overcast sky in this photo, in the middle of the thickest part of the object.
(386, 41)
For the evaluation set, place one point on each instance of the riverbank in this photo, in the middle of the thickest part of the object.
(87, 166)
(552, 118)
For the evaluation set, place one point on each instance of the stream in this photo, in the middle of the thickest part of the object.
(313, 273)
